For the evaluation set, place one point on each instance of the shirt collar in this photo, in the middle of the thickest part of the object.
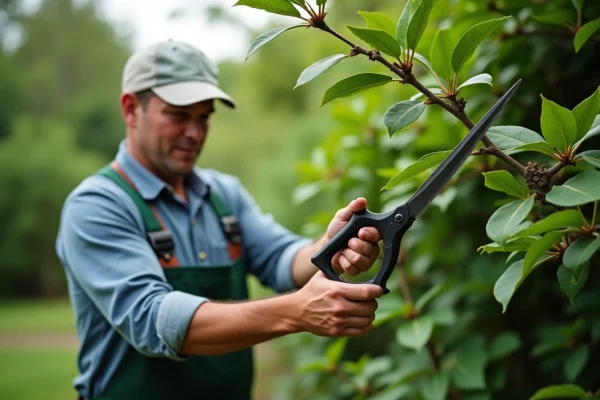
(148, 185)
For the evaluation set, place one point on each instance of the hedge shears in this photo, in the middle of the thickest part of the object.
(393, 225)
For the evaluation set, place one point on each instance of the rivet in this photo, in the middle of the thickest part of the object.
(399, 217)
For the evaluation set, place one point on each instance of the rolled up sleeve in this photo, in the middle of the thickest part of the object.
(104, 247)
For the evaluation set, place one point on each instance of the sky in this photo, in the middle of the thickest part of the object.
(149, 22)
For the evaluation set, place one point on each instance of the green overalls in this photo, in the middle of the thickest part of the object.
(227, 376)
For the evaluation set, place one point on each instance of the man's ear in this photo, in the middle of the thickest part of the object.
(130, 108)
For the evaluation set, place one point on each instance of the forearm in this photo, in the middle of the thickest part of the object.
(302, 268)
(218, 328)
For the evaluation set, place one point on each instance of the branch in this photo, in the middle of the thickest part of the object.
(456, 109)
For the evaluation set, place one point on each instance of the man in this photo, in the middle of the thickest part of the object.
(156, 251)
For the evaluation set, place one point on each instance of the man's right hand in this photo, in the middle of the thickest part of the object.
(330, 308)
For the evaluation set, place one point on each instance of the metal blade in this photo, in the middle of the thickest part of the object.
(435, 183)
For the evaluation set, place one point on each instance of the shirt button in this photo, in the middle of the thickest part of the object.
(202, 255)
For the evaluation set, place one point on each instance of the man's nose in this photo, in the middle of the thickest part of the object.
(195, 130)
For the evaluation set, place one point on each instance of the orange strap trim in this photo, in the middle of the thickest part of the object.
(172, 261)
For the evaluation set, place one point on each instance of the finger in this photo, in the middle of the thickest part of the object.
(359, 261)
(362, 291)
(368, 249)
(347, 266)
(357, 322)
(363, 308)
(353, 332)
(369, 234)
(357, 205)
(335, 263)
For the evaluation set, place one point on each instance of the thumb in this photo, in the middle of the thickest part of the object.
(355, 206)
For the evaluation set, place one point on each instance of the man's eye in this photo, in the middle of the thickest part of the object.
(179, 116)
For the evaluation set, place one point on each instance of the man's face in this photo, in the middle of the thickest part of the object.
(168, 138)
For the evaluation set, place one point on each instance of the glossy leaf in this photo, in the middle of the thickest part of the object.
(595, 130)
(504, 181)
(418, 23)
(335, 350)
(579, 253)
(354, 85)
(318, 68)
(469, 371)
(477, 80)
(435, 387)
(423, 164)
(281, 7)
(519, 244)
(425, 62)
(584, 33)
(380, 21)
(418, 96)
(402, 24)
(538, 249)
(440, 55)
(592, 157)
(558, 125)
(509, 137)
(577, 4)
(570, 285)
(541, 147)
(266, 37)
(559, 392)
(402, 114)
(581, 189)
(509, 282)
(557, 220)
(562, 18)
(380, 40)
(585, 113)
(416, 333)
(503, 345)
(471, 39)
(321, 2)
(576, 361)
(504, 221)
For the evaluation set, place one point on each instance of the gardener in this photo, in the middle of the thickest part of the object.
(156, 251)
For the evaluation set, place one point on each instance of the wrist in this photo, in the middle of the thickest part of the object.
(291, 308)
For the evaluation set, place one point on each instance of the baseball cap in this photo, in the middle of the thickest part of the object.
(177, 72)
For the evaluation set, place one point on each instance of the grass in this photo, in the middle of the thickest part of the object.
(36, 316)
(37, 374)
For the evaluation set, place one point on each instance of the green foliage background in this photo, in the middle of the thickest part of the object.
(59, 122)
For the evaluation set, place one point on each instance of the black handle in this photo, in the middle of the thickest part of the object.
(391, 225)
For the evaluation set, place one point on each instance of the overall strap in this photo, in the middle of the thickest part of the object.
(159, 237)
(229, 224)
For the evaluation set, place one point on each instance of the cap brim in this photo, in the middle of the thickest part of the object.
(186, 93)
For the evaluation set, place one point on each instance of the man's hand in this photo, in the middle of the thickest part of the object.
(362, 251)
(329, 308)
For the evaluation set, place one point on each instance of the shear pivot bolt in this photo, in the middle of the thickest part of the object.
(398, 217)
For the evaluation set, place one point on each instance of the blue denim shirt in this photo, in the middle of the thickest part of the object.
(116, 284)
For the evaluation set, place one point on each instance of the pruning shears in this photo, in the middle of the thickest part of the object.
(393, 225)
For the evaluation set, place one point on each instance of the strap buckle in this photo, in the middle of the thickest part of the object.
(232, 229)
(162, 243)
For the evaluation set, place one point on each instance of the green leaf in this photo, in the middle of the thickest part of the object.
(416, 333)
(314, 366)
(577, 4)
(509, 282)
(318, 68)
(592, 132)
(541, 147)
(424, 163)
(281, 7)
(424, 62)
(402, 24)
(570, 285)
(592, 157)
(354, 85)
(579, 253)
(435, 91)
(504, 221)
(476, 80)
(402, 114)
(559, 392)
(581, 189)
(443, 316)
(503, 345)
(418, 23)
(440, 54)
(561, 18)
(381, 40)
(576, 361)
(538, 249)
(435, 387)
(380, 21)
(503, 181)
(321, 2)
(585, 113)
(335, 350)
(508, 137)
(519, 244)
(558, 125)
(266, 37)
(585, 32)
(431, 294)
(557, 220)
(471, 39)
(469, 371)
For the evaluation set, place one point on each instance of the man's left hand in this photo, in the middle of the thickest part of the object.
(362, 251)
